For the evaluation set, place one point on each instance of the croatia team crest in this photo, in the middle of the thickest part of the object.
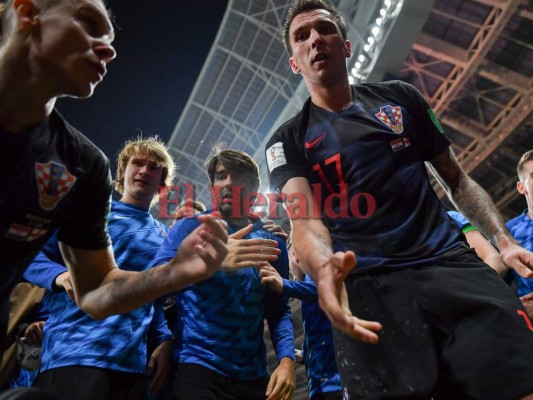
(53, 183)
(392, 117)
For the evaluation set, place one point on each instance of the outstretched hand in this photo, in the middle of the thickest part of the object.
(519, 259)
(243, 253)
(333, 299)
(201, 253)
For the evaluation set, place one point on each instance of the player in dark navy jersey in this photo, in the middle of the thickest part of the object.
(359, 153)
(220, 350)
(54, 178)
(83, 358)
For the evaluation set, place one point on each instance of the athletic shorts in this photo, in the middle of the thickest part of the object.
(89, 383)
(196, 382)
(450, 331)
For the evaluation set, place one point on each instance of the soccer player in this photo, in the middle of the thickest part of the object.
(220, 349)
(360, 151)
(323, 379)
(521, 227)
(54, 178)
(88, 359)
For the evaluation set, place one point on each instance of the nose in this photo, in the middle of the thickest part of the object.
(105, 52)
(316, 38)
(143, 170)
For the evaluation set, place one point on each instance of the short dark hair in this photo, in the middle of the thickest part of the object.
(300, 6)
(527, 156)
(234, 161)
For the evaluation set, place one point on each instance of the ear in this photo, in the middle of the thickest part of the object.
(348, 46)
(295, 68)
(26, 14)
(520, 187)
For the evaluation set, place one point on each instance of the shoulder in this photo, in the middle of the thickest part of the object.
(516, 221)
(76, 143)
(388, 88)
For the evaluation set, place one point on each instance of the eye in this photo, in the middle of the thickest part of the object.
(89, 23)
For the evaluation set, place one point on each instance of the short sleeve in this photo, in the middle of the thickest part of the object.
(429, 131)
(285, 156)
(461, 222)
(85, 224)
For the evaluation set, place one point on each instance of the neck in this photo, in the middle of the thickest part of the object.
(143, 203)
(23, 97)
(335, 98)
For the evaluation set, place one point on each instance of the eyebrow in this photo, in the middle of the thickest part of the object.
(103, 15)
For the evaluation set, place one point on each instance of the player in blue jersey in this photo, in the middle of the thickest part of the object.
(87, 359)
(54, 178)
(521, 227)
(357, 154)
(220, 349)
(323, 379)
(475, 239)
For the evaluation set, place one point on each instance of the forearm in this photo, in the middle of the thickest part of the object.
(312, 243)
(477, 206)
(122, 291)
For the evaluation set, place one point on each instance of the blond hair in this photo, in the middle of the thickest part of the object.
(155, 149)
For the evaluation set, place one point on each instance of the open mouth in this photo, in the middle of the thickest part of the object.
(319, 57)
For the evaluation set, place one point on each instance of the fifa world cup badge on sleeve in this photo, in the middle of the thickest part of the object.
(275, 156)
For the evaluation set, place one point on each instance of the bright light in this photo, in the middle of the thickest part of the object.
(354, 71)
(366, 48)
(382, 12)
(351, 80)
(370, 40)
(388, 3)
(379, 21)
(357, 65)
(361, 58)
(375, 30)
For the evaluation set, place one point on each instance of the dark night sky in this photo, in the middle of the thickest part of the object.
(161, 47)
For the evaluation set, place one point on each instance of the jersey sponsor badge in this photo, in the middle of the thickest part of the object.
(53, 182)
(275, 156)
(391, 116)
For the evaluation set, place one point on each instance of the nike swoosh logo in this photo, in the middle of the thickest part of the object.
(316, 141)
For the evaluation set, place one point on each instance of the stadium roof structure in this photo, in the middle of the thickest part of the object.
(472, 59)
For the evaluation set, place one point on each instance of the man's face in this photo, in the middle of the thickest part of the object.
(73, 47)
(142, 178)
(525, 185)
(318, 50)
(231, 189)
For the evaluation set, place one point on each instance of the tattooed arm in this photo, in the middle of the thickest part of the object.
(101, 289)
(313, 244)
(476, 205)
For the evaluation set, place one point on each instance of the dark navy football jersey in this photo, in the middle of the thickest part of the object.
(52, 178)
(521, 227)
(366, 166)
